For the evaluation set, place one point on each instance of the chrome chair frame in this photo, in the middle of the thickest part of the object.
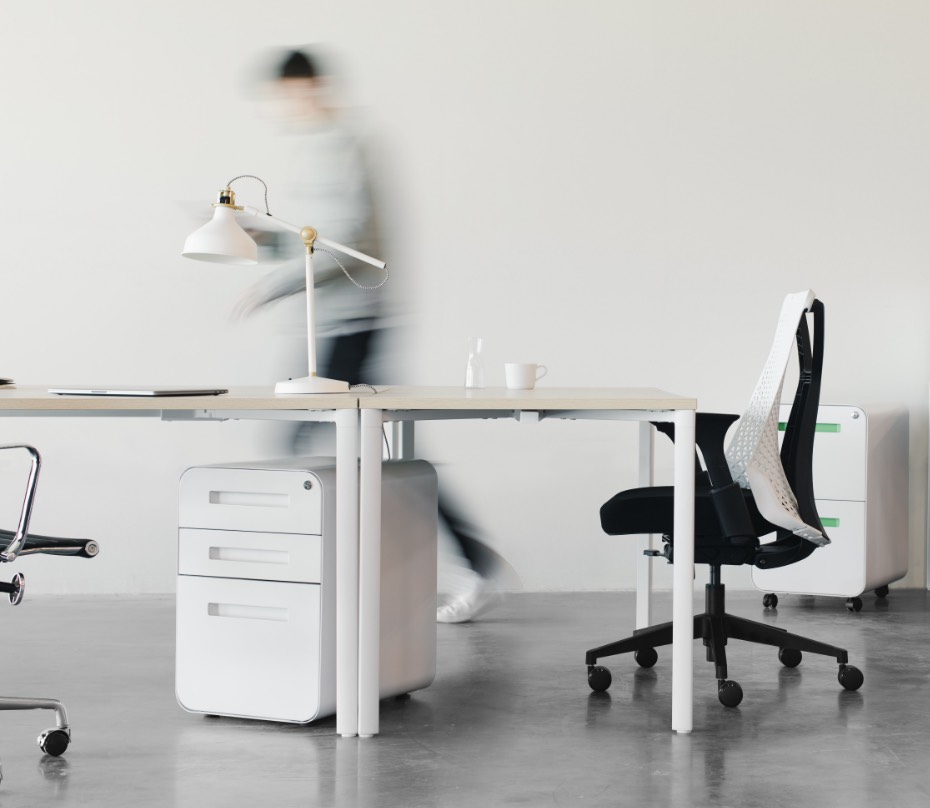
(52, 741)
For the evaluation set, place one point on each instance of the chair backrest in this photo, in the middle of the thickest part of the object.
(776, 478)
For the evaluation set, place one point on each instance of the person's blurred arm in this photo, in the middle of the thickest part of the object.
(288, 279)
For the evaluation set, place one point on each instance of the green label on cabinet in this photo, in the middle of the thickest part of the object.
(830, 521)
(782, 425)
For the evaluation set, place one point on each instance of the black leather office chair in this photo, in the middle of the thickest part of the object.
(747, 492)
(20, 543)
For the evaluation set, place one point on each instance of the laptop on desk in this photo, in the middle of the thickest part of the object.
(138, 391)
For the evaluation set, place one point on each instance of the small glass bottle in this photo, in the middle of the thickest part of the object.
(474, 365)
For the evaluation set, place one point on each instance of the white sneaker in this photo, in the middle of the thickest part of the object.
(467, 603)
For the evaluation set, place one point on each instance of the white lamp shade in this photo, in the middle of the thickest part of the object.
(221, 241)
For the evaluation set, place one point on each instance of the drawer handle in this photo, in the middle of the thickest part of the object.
(252, 499)
(241, 611)
(248, 556)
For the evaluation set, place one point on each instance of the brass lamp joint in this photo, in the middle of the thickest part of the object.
(308, 234)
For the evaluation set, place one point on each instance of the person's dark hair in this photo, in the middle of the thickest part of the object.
(299, 65)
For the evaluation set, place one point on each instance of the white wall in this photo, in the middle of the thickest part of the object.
(622, 190)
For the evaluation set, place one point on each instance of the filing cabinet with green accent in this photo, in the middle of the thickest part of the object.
(861, 489)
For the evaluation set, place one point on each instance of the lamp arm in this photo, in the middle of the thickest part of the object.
(248, 210)
(325, 242)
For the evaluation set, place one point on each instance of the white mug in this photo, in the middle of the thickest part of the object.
(523, 375)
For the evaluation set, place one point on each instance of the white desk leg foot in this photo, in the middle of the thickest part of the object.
(683, 605)
(369, 649)
(347, 443)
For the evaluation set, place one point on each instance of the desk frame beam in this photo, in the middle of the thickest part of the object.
(372, 423)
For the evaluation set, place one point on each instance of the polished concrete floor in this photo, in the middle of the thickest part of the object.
(510, 719)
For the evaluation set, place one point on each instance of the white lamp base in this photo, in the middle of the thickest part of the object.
(311, 385)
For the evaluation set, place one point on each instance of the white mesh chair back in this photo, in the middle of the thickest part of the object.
(753, 454)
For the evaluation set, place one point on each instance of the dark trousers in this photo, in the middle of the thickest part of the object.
(348, 360)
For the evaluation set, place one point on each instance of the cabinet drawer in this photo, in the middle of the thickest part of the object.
(256, 556)
(837, 569)
(266, 500)
(839, 452)
(249, 648)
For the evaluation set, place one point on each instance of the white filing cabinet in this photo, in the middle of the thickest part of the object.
(861, 490)
(256, 587)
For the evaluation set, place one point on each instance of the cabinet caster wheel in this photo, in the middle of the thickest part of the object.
(54, 742)
(729, 693)
(599, 678)
(789, 657)
(770, 601)
(882, 592)
(850, 677)
(646, 657)
(854, 604)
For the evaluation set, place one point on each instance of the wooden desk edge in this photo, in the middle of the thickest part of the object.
(451, 398)
(39, 399)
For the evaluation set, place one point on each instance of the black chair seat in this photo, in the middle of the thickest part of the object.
(51, 545)
(651, 510)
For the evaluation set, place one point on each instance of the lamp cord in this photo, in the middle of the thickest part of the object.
(387, 272)
(253, 177)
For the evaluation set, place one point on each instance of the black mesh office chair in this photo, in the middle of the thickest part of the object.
(742, 494)
(20, 543)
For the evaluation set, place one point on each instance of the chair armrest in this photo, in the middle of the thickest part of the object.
(14, 547)
(710, 430)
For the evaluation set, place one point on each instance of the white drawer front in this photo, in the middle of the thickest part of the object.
(269, 500)
(839, 452)
(837, 569)
(248, 648)
(256, 556)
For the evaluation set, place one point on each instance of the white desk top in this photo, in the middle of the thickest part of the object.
(542, 398)
(243, 398)
(388, 398)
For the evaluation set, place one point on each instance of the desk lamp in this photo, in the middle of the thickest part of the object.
(223, 241)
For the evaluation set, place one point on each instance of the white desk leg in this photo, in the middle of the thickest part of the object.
(369, 617)
(347, 572)
(682, 604)
(644, 563)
